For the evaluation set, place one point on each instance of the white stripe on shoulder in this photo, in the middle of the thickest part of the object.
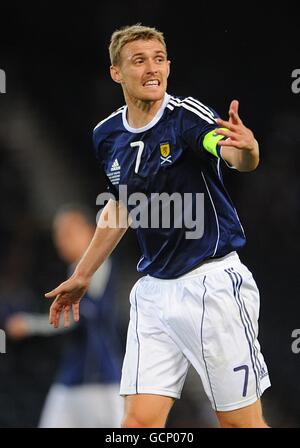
(118, 111)
(201, 107)
(170, 107)
(173, 98)
(197, 105)
(178, 103)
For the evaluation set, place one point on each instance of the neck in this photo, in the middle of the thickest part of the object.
(140, 112)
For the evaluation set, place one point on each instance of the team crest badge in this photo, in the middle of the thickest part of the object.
(165, 151)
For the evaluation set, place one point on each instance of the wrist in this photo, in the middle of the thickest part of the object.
(80, 273)
(254, 149)
(252, 160)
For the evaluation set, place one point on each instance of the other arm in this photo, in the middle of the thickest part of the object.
(240, 149)
(69, 293)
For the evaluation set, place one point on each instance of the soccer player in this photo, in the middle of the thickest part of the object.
(197, 303)
(84, 393)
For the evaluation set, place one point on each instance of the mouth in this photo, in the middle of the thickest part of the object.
(152, 83)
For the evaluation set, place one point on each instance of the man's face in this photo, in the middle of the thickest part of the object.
(143, 70)
(71, 236)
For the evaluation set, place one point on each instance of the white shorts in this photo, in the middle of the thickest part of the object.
(209, 318)
(82, 406)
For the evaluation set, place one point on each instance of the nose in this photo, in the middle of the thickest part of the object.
(151, 66)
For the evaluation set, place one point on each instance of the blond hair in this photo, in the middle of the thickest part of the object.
(128, 34)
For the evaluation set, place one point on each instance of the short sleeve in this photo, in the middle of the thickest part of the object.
(99, 143)
(198, 128)
(110, 187)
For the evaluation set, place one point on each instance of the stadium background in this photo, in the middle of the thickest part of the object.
(58, 88)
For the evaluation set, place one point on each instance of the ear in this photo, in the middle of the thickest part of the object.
(115, 74)
(169, 64)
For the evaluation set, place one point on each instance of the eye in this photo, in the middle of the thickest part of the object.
(139, 61)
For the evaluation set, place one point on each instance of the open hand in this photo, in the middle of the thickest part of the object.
(239, 136)
(67, 295)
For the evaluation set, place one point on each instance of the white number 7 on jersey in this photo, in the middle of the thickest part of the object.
(141, 145)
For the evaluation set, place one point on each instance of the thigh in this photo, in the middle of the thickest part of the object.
(146, 410)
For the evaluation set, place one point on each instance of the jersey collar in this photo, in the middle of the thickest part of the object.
(154, 120)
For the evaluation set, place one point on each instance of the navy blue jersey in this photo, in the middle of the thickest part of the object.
(167, 156)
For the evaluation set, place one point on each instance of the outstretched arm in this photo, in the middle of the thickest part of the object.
(111, 227)
(240, 149)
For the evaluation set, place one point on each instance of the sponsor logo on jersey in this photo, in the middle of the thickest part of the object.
(263, 372)
(114, 174)
(115, 166)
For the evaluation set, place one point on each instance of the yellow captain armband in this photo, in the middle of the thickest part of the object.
(210, 142)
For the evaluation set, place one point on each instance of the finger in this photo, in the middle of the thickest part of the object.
(54, 308)
(52, 311)
(234, 118)
(54, 315)
(53, 293)
(75, 307)
(56, 321)
(226, 124)
(66, 312)
(54, 318)
(226, 133)
(234, 112)
(234, 107)
(229, 142)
